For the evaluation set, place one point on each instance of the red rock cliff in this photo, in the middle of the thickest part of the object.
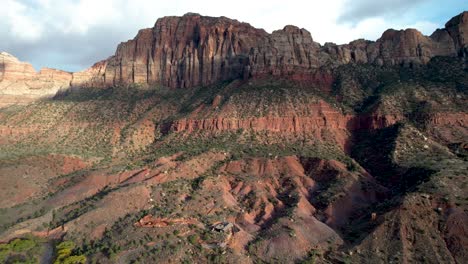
(184, 52)
(194, 50)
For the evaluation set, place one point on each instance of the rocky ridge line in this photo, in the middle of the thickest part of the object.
(195, 50)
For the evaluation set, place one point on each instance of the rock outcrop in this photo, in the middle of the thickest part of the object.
(20, 83)
(194, 50)
(11, 69)
(150, 221)
(296, 124)
(395, 47)
(284, 52)
(184, 52)
(457, 28)
(91, 77)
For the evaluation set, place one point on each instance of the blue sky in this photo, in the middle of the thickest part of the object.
(73, 34)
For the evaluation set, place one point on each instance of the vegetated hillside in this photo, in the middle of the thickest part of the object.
(259, 170)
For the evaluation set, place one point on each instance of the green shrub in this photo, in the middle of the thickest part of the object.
(193, 239)
(75, 260)
(22, 245)
(66, 245)
(64, 254)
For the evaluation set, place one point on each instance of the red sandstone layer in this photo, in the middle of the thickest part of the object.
(195, 50)
(286, 124)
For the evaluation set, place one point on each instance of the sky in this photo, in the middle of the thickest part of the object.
(74, 34)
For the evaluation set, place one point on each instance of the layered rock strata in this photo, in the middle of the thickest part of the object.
(20, 83)
(194, 50)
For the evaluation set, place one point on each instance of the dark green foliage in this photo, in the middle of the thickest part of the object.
(65, 254)
(21, 250)
(363, 88)
(193, 239)
(311, 257)
(374, 151)
(460, 150)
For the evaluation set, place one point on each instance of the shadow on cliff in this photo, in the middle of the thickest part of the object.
(373, 150)
(129, 92)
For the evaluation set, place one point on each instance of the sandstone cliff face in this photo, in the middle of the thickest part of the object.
(457, 28)
(91, 77)
(283, 52)
(184, 52)
(11, 69)
(20, 83)
(395, 47)
(325, 118)
(194, 50)
(404, 46)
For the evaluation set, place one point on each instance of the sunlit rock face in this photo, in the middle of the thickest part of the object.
(194, 50)
(20, 83)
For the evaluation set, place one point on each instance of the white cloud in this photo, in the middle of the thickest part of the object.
(79, 32)
(363, 9)
(18, 22)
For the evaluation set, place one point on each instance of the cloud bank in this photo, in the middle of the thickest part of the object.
(357, 11)
(73, 34)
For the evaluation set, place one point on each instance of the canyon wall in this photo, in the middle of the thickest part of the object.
(194, 50)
